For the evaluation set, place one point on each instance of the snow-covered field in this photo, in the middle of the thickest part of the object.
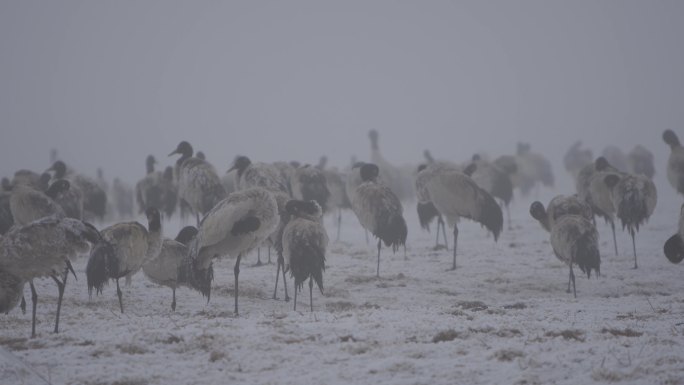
(502, 317)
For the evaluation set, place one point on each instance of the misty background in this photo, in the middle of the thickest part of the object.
(107, 83)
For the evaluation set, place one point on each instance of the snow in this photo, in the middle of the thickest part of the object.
(502, 317)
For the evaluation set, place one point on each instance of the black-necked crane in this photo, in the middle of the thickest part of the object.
(559, 206)
(427, 211)
(494, 180)
(576, 158)
(390, 175)
(6, 219)
(634, 198)
(640, 161)
(675, 163)
(124, 249)
(574, 240)
(616, 157)
(234, 227)
(148, 190)
(164, 269)
(533, 168)
(43, 248)
(592, 189)
(94, 198)
(455, 195)
(69, 198)
(304, 244)
(122, 195)
(309, 183)
(198, 184)
(379, 210)
(674, 246)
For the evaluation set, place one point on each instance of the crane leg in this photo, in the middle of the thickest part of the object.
(446, 242)
(339, 223)
(278, 265)
(295, 298)
(60, 287)
(119, 294)
(22, 305)
(173, 302)
(377, 272)
(236, 271)
(612, 226)
(311, 293)
(455, 243)
(282, 265)
(258, 257)
(269, 255)
(634, 248)
(34, 300)
(572, 279)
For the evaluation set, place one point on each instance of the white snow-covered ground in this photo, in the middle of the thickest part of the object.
(502, 317)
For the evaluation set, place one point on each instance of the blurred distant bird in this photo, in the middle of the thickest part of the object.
(494, 180)
(94, 198)
(577, 158)
(615, 157)
(309, 183)
(379, 210)
(123, 199)
(674, 246)
(304, 243)
(390, 175)
(148, 190)
(640, 161)
(595, 192)
(427, 211)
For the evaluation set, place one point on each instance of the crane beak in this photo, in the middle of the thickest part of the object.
(174, 152)
(231, 169)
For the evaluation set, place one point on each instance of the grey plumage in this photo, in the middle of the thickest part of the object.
(198, 184)
(94, 197)
(304, 244)
(379, 211)
(165, 268)
(559, 206)
(634, 198)
(28, 205)
(575, 241)
(124, 248)
(675, 163)
(234, 227)
(674, 246)
(43, 248)
(576, 158)
(640, 161)
(309, 183)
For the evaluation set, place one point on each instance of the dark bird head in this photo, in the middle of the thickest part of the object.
(611, 180)
(373, 135)
(491, 215)
(538, 211)
(150, 161)
(369, 172)
(298, 208)
(428, 156)
(200, 155)
(58, 187)
(6, 184)
(153, 219)
(476, 158)
(421, 167)
(186, 235)
(674, 249)
(601, 164)
(671, 138)
(240, 163)
(184, 148)
(59, 168)
(44, 181)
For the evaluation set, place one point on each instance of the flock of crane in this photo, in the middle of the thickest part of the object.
(45, 218)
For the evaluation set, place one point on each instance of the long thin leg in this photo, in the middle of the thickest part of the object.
(60, 286)
(34, 299)
(278, 264)
(269, 255)
(455, 243)
(612, 226)
(282, 263)
(22, 305)
(173, 302)
(437, 237)
(236, 271)
(258, 257)
(198, 219)
(311, 293)
(631, 231)
(572, 279)
(446, 242)
(339, 223)
(295, 299)
(118, 293)
(378, 270)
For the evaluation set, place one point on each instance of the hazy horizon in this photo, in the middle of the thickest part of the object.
(107, 83)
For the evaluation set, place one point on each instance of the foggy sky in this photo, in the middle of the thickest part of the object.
(107, 83)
